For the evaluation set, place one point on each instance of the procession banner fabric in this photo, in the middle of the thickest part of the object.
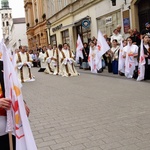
(92, 60)
(127, 63)
(17, 120)
(102, 45)
(121, 62)
(141, 67)
(79, 49)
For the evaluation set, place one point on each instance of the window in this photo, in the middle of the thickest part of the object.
(10, 15)
(65, 36)
(2, 16)
(65, 3)
(59, 5)
(108, 23)
(52, 7)
(3, 24)
(6, 15)
(35, 7)
(85, 33)
(7, 23)
(53, 40)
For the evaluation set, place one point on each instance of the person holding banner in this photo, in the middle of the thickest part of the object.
(130, 54)
(93, 58)
(13, 110)
(146, 48)
(5, 104)
(121, 61)
(85, 52)
(115, 53)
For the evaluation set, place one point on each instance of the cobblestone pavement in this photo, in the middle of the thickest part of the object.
(89, 112)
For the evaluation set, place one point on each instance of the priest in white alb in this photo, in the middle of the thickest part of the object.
(49, 59)
(67, 62)
(24, 64)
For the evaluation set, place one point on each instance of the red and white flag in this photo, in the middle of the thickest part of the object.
(102, 45)
(141, 68)
(17, 121)
(79, 49)
(121, 62)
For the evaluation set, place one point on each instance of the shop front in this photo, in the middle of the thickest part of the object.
(61, 32)
(109, 22)
(83, 28)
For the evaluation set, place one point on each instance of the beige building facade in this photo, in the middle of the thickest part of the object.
(35, 23)
(57, 22)
(86, 17)
(77, 17)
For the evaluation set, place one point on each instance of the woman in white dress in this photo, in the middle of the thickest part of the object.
(130, 54)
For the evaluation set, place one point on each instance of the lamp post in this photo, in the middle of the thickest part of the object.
(48, 27)
(19, 42)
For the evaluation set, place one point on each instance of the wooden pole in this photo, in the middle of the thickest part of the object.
(10, 141)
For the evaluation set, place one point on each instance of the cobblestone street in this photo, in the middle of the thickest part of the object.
(89, 112)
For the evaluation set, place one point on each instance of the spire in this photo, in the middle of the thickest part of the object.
(4, 4)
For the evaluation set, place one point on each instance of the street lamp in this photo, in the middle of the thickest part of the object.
(48, 26)
(19, 42)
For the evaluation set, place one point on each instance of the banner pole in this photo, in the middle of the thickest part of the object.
(10, 141)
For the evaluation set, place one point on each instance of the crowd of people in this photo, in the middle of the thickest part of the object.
(122, 58)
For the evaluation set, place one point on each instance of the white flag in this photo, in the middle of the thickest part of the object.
(102, 45)
(92, 60)
(17, 119)
(79, 49)
(141, 68)
(121, 61)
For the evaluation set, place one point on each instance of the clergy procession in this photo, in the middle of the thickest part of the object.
(129, 57)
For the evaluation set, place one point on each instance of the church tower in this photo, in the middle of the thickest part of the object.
(5, 4)
(6, 18)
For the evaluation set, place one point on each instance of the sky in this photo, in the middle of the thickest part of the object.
(17, 10)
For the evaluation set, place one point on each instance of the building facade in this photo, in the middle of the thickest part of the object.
(56, 22)
(6, 19)
(36, 23)
(16, 37)
(86, 17)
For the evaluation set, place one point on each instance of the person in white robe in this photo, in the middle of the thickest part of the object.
(67, 62)
(50, 62)
(116, 35)
(95, 62)
(130, 54)
(41, 57)
(58, 69)
(121, 64)
(24, 64)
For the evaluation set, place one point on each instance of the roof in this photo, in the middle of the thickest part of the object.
(18, 20)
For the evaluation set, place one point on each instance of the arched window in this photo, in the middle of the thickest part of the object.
(7, 23)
